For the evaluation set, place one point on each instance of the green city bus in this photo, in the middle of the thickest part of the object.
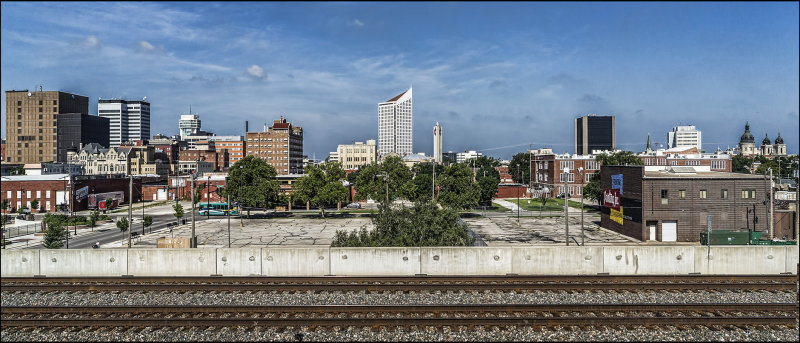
(217, 209)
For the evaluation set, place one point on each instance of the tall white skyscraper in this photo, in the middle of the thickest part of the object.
(188, 124)
(437, 143)
(685, 136)
(129, 120)
(395, 125)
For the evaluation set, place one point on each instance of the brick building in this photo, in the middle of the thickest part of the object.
(674, 205)
(53, 190)
(219, 159)
(235, 150)
(32, 123)
(547, 172)
(281, 147)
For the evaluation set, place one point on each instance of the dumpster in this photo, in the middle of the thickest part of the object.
(725, 237)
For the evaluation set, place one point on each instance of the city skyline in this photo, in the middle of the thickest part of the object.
(496, 75)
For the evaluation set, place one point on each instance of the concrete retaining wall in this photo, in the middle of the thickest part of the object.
(69, 262)
(239, 261)
(627, 260)
(465, 261)
(313, 261)
(375, 261)
(557, 260)
(172, 262)
(295, 262)
(19, 263)
(743, 260)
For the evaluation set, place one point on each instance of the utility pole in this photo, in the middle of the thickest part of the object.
(130, 209)
(771, 209)
(566, 195)
(229, 213)
(191, 240)
(208, 198)
(583, 182)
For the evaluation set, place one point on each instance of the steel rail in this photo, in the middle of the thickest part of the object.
(344, 287)
(471, 308)
(780, 278)
(771, 321)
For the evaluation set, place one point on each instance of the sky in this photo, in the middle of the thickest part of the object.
(498, 77)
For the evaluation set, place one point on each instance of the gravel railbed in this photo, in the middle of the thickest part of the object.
(372, 335)
(144, 298)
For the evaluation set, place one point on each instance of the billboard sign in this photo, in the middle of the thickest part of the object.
(616, 216)
(81, 193)
(611, 198)
(616, 182)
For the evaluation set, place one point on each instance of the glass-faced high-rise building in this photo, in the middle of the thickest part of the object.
(395, 125)
(593, 132)
(129, 120)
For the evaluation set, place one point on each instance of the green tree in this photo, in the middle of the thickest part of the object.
(178, 208)
(619, 158)
(520, 164)
(373, 179)
(122, 225)
(592, 189)
(35, 204)
(252, 183)
(54, 236)
(109, 203)
(147, 221)
(423, 180)
(93, 218)
(4, 205)
(456, 187)
(19, 170)
(424, 224)
(22, 209)
(321, 186)
(741, 164)
(487, 178)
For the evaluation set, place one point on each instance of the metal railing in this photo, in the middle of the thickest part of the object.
(16, 231)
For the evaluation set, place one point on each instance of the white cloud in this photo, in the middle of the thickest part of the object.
(91, 42)
(256, 72)
(357, 23)
(146, 46)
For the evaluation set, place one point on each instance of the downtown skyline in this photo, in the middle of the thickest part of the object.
(493, 75)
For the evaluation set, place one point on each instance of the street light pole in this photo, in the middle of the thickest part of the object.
(208, 198)
(583, 182)
(229, 212)
(130, 209)
(191, 240)
(566, 206)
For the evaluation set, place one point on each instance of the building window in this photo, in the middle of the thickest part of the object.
(664, 197)
(41, 102)
(702, 194)
(40, 110)
(19, 103)
(54, 102)
(724, 194)
(681, 194)
(55, 109)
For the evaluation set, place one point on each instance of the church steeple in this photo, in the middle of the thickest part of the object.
(649, 147)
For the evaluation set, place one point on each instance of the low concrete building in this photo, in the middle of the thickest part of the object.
(676, 205)
(188, 167)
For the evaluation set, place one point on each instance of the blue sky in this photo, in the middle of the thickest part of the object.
(497, 76)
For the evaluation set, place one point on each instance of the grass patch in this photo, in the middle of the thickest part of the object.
(551, 205)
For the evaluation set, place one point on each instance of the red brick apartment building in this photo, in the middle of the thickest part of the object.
(219, 159)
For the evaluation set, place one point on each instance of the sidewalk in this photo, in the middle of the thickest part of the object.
(513, 207)
(27, 241)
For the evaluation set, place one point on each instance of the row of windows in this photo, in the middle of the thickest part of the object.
(41, 102)
(703, 194)
(28, 194)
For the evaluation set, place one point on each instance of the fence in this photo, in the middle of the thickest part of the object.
(22, 230)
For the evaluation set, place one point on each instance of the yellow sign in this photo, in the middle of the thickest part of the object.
(616, 215)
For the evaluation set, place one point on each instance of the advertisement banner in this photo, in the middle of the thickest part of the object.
(81, 193)
(616, 216)
(611, 198)
(616, 182)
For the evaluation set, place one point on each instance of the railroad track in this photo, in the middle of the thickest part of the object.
(328, 316)
(405, 284)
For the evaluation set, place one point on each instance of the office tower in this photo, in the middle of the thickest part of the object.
(281, 146)
(593, 132)
(188, 124)
(129, 120)
(32, 123)
(78, 129)
(684, 136)
(437, 143)
(395, 125)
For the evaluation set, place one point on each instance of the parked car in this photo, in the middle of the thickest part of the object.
(354, 205)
